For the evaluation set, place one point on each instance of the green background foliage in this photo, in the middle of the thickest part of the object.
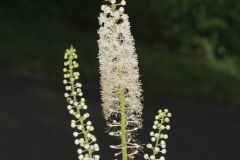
(188, 49)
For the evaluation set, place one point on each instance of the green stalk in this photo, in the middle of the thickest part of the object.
(123, 123)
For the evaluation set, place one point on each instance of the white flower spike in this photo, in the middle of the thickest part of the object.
(158, 137)
(121, 88)
(85, 140)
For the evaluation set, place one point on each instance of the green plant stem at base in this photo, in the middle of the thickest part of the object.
(123, 123)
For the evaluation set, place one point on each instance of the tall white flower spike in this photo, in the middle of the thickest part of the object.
(121, 89)
(85, 140)
(158, 137)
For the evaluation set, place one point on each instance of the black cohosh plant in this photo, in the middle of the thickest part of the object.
(121, 93)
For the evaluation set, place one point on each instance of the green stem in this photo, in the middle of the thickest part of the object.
(123, 123)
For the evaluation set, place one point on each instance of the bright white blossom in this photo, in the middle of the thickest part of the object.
(119, 73)
(85, 140)
(158, 137)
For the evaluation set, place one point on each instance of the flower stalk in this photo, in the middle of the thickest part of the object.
(123, 123)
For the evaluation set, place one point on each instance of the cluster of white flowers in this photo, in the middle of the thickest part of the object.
(119, 75)
(161, 123)
(76, 106)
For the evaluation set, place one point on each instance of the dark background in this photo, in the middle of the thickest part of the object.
(189, 60)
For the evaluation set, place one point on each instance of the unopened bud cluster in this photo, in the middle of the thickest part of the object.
(85, 140)
(158, 137)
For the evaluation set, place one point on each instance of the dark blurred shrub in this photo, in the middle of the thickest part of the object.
(205, 27)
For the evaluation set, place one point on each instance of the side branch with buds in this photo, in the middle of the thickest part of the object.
(85, 140)
(158, 137)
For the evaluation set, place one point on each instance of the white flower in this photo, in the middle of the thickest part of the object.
(123, 2)
(151, 133)
(153, 139)
(162, 127)
(157, 135)
(80, 157)
(146, 156)
(165, 136)
(167, 120)
(121, 9)
(149, 145)
(89, 123)
(69, 107)
(75, 134)
(168, 127)
(84, 106)
(97, 157)
(162, 158)
(77, 142)
(66, 95)
(164, 151)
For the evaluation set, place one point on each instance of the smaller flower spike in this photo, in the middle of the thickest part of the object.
(158, 138)
(85, 140)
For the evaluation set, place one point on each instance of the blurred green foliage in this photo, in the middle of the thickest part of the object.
(187, 48)
(201, 27)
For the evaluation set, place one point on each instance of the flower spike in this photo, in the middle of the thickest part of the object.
(85, 140)
(121, 88)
